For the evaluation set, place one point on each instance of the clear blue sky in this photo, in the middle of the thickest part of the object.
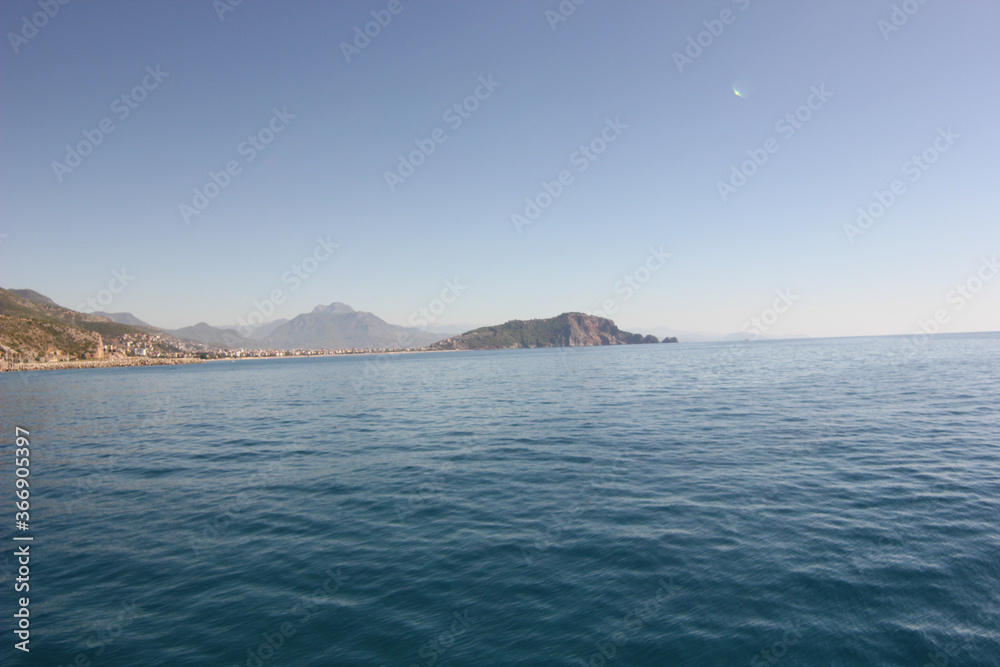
(893, 94)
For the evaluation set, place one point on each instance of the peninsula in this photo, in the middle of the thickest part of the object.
(566, 330)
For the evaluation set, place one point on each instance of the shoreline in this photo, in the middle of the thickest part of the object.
(7, 367)
(320, 356)
(127, 362)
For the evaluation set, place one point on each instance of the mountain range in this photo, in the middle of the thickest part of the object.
(34, 326)
(333, 326)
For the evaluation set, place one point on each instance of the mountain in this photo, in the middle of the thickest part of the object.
(254, 334)
(566, 330)
(339, 326)
(125, 318)
(33, 327)
(212, 336)
(264, 330)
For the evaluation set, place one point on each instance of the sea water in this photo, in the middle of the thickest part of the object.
(806, 502)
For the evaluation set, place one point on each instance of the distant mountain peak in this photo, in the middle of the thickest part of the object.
(335, 308)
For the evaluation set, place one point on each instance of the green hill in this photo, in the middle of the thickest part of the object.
(566, 330)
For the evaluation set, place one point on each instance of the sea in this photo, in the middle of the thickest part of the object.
(762, 503)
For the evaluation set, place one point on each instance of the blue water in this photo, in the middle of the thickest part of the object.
(815, 502)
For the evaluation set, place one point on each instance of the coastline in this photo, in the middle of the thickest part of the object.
(6, 367)
(324, 355)
(126, 362)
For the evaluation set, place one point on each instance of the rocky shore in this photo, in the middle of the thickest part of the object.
(97, 363)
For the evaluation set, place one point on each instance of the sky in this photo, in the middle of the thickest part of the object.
(776, 168)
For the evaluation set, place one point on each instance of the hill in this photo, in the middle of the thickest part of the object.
(566, 330)
(33, 296)
(35, 328)
(25, 339)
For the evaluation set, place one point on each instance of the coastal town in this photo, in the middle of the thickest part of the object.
(150, 353)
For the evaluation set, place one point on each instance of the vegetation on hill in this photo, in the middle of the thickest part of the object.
(34, 328)
(566, 330)
(25, 339)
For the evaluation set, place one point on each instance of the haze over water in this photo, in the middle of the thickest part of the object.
(829, 502)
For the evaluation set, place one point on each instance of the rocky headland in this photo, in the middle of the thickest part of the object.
(566, 330)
